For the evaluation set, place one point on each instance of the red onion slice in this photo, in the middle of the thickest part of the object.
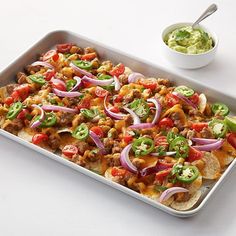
(170, 192)
(186, 100)
(104, 82)
(134, 116)
(156, 154)
(58, 108)
(41, 118)
(134, 76)
(211, 146)
(66, 94)
(42, 63)
(117, 116)
(58, 81)
(158, 109)
(81, 71)
(142, 126)
(97, 141)
(204, 140)
(78, 83)
(117, 83)
(125, 161)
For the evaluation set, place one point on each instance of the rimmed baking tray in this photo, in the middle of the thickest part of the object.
(50, 40)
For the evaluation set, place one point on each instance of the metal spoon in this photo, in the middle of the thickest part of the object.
(210, 10)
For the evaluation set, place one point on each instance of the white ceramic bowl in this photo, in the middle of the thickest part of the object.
(188, 61)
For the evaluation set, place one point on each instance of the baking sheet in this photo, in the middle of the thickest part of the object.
(50, 40)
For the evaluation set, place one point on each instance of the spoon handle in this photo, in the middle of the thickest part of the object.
(210, 10)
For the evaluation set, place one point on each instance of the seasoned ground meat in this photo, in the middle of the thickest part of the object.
(65, 118)
(10, 88)
(21, 78)
(82, 146)
(13, 126)
(206, 133)
(54, 141)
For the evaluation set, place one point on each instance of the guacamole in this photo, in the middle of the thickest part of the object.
(188, 40)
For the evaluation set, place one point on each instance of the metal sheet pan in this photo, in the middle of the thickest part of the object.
(50, 40)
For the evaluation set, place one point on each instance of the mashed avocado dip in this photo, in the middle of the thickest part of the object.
(188, 40)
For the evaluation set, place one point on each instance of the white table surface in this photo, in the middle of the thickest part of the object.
(41, 197)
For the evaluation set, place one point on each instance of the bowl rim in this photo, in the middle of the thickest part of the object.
(174, 26)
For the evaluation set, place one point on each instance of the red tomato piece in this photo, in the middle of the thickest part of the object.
(16, 96)
(115, 109)
(194, 98)
(117, 70)
(161, 175)
(22, 91)
(70, 150)
(55, 57)
(38, 138)
(64, 48)
(171, 99)
(98, 131)
(161, 141)
(199, 126)
(166, 123)
(89, 56)
(9, 100)
(100, 92)
(194, 155)
(163, 165)
(59, 86)
(49, 55)
(118, 98)
(49, 74)
(117, 172)
(128, 138)
(22, 115)
(86, 84)
(231, 138)
(84, 103)
(149, 83)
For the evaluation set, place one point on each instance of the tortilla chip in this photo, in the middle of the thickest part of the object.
(150, 192)
(110, 177)
(26, 134)
(184, 206)
(195, 185)
(223, 157)
(212, 166)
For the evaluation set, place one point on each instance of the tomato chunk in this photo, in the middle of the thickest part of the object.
(118, 172)
(231, 138)
(49, 74)
(89, 56)
(100, 92)
(171, 99)
(199, 126)
(98, 131)
(9, 100)
(161, 141)
(149, 83)
(128, 138)
(115, 109)
(48, 55)
(161, 175)
(64, 48)
(166, 123)
(39, 138)
(117, 70)
(70, 150)
(194, 155)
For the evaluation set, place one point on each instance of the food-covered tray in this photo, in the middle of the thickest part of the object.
(146, 68)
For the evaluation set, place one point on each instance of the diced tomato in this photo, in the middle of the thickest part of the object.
(86, 84)
(115, 109)
(55, 57)
(150, 104)
(22, 115)
(161, 141)
(59, 86)
(84, 103)
(49, 55)
(199, 126)
(166, 123)
(89, 56)
(149, 83)
(22, 91)
(64, 48)
(128, 138)
(194, 155)
(118, 98)
(194, 98)
(98, 131)
(161, 175)
(163, 165)
(49, 74)
(117, 172)
(9, 100)
(16, 96)
(171, 99)
(38, 138)
(231, 138)
(117, 70)
(100, 92)
(70, 150)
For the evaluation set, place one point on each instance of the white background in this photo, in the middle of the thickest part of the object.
(41, 197)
